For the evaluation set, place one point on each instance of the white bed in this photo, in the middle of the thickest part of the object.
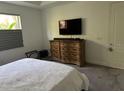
(38, 75)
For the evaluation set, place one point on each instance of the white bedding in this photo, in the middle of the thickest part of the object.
(32, 74)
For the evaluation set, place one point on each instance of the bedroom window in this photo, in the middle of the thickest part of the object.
(10, 31)
(10, 22)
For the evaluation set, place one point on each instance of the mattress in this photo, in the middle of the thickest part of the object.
(30, 74)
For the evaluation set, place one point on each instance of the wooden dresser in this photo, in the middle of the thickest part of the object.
(68, 50)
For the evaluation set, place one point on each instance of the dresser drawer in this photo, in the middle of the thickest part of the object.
(74, 45)
(70, 44)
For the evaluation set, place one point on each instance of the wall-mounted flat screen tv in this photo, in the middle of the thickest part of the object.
(70, 27)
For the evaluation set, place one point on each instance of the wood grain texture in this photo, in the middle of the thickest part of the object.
(68, 50)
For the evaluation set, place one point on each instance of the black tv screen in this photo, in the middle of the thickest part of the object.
(70, 27)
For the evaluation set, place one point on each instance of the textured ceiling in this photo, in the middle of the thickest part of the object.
(34, 2)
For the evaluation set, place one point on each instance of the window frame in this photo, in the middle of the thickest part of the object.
(15, 15)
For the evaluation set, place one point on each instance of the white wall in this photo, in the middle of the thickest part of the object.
(96, 18)
(31, 30)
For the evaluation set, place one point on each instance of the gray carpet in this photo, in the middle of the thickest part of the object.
(103, 78)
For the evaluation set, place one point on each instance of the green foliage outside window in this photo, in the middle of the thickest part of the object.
(10, 22)
(6, 26)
